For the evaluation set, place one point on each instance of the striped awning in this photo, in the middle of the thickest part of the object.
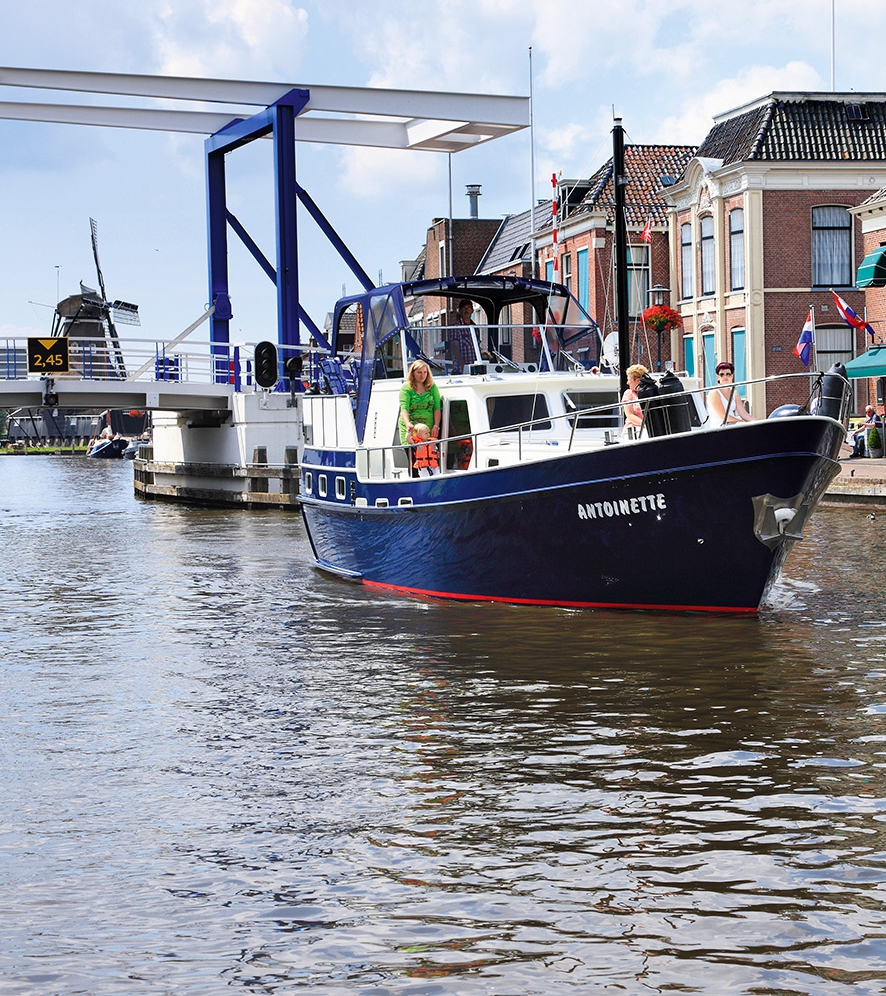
(869, 364)
(872, 272)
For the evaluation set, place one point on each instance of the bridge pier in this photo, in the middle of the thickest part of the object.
(248, 459)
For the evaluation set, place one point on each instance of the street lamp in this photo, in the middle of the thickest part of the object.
(658, 295)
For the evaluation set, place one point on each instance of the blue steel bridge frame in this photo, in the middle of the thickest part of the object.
(278, 121)
(363, 116)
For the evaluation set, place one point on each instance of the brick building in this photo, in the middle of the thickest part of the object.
(586, 237)
(762, 229)
(453, 247)
(871, 215)
(510, 255)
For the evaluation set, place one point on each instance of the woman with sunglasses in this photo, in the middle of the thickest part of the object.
(724, 402)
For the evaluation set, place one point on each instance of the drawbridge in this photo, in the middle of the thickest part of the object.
(288, 114)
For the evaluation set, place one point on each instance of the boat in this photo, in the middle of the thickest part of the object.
(556, 503)
(543, 495)
(109, 448)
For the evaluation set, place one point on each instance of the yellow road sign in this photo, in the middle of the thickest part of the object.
(48, 356)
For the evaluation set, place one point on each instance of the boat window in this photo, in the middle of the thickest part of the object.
(321, 485)
(349, 332)
(340, 488)
(309, 482)
(510, 411)
(607, 419)
(460, 448)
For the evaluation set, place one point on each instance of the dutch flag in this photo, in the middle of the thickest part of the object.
(850, 317)
(803, 349)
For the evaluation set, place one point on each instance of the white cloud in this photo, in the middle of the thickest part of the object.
(253, 39)
(371, 173)
(694, 121)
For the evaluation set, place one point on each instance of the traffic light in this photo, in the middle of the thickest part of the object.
(266, 364)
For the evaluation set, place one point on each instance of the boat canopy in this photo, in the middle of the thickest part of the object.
(380, 314)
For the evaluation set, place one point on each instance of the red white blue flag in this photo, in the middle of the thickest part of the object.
(646, 234)
(850, 317)
(803, 349)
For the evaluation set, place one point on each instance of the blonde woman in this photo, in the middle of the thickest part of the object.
(633, 413)
(419, 402)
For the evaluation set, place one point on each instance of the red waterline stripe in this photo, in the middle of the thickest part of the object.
(562, 604)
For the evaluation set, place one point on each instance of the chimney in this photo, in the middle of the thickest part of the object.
(473, 194)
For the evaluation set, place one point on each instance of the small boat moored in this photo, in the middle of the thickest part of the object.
(109, 448)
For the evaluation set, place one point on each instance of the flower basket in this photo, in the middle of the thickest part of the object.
(661, 318)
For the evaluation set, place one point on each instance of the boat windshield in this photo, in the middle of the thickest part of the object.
(567, 314)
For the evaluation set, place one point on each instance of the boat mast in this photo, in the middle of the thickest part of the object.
(619, 182)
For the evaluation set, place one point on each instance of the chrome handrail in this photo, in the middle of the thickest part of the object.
(575, 415)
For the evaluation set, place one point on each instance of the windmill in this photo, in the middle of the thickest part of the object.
(90, 316)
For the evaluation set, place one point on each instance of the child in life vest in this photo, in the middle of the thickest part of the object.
(425, 461)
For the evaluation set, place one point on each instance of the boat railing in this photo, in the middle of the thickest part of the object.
(465, 449)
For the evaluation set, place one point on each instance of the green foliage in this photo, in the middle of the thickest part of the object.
(875, 441)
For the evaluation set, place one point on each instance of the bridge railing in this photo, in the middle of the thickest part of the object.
(137, 360)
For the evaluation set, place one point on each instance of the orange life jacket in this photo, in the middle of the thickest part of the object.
(425, 455)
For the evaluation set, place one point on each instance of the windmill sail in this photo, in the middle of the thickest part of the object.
(107, 307)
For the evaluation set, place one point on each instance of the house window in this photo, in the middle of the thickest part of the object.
(833, 345)
(566, 270)
(638, 279)
(736, 251)
(707, 255)
(441, 255)
(581, 260)
(549, 270)
(686, 260)
(831, 247)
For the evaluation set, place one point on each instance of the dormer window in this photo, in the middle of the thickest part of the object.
(857, 112)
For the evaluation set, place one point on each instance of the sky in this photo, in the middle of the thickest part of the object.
(667, 67)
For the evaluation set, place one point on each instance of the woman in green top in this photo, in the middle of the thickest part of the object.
(419, 402)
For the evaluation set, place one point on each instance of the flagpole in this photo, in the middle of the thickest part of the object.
(533, 272)
(814, 357)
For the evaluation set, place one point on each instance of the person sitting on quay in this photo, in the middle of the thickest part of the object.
(860, 436)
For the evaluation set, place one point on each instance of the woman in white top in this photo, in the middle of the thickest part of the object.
(724, 402)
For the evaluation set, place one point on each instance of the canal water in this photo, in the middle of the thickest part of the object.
(223, 771)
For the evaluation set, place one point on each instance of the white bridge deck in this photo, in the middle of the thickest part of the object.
(154, 377)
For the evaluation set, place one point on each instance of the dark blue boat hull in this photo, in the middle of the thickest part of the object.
(109, 449)
(671, 523)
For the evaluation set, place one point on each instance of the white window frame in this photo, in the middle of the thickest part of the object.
(736, 249)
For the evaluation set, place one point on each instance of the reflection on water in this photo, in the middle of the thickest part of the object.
(223, 769)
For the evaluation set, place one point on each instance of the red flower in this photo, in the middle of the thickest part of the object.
(661, 318)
